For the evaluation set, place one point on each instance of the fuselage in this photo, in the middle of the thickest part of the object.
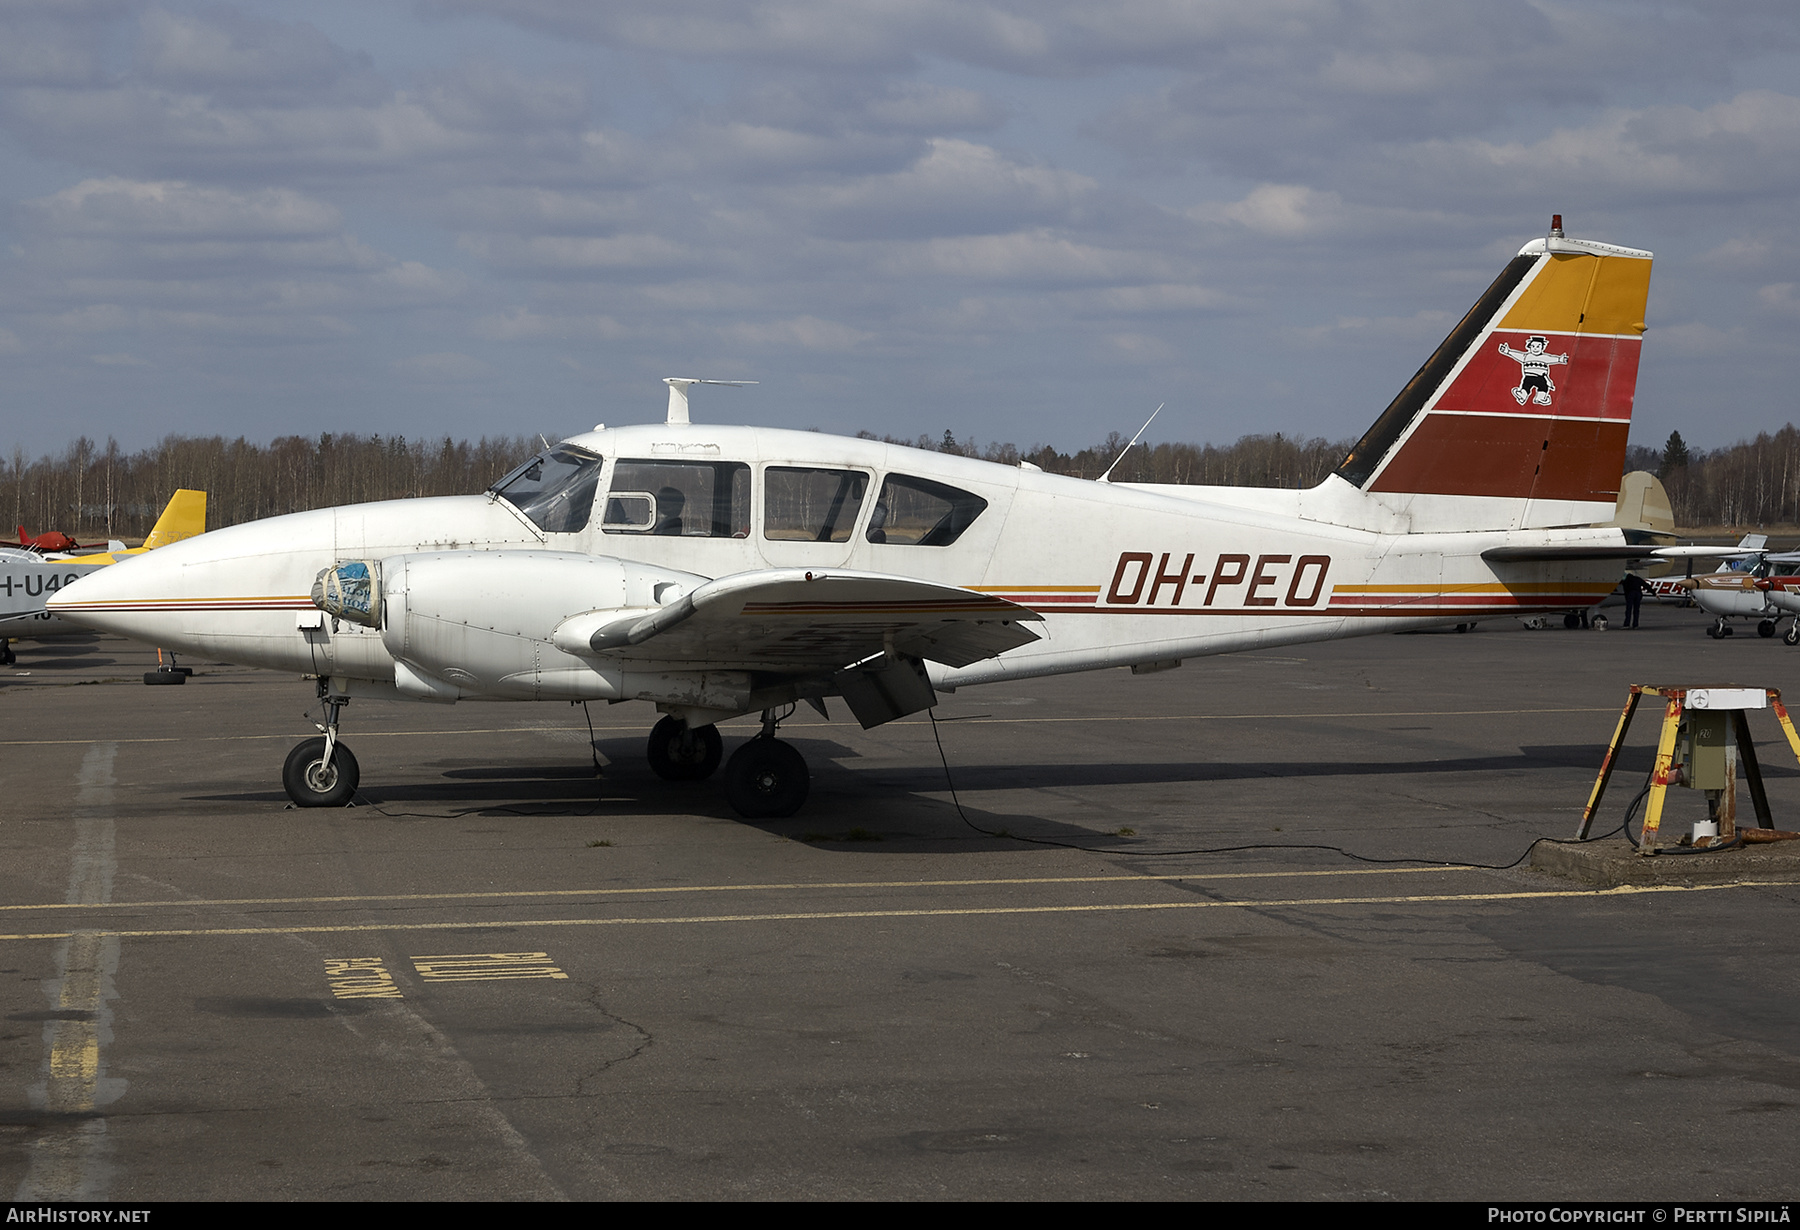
(1117, 574)
(27, 581)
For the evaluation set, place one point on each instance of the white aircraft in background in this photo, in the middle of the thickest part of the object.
(1753, 584)
(721, 571)
(28, 579)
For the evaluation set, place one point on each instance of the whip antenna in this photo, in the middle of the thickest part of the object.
(1107, 477)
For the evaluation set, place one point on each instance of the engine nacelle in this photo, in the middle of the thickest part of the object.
(481, 623)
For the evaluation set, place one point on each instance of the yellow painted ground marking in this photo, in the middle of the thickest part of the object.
(486, 966)
(949, 912)
(75, 1044)
(549, 893)
(360, 978)
(985, 721)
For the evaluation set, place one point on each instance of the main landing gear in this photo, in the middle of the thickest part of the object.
(322, 772)
(682, 753)
(765, 779)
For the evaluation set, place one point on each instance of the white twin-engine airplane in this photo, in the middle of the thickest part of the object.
(721, 571)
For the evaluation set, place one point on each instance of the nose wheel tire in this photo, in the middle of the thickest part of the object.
(680, 753)
(310, 782)
(1766, 628)
(766, 779)
(1792, 636)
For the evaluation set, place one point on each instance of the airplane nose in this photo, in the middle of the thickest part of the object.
(225, 593)
(137, 597)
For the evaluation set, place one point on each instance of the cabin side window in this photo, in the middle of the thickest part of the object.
(679, 499)
(801, 504)
(918, 512)
(555, 489)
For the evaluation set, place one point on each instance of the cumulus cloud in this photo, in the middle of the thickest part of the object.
(807, 332)
(888, 195)
(955, 187)
(445, 366)
(121, 207)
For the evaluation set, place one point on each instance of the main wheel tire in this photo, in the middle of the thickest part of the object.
(312, 783)
(1766, 628)
(766, 779)
(692, 758)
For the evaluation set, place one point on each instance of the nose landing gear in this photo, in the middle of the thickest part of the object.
(322, 772)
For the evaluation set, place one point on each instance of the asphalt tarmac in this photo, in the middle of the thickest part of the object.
(500, 977)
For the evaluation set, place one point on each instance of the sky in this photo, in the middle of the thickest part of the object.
(1027, 221)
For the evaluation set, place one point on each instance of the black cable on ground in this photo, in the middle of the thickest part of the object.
(361, 800)
(1361, 858)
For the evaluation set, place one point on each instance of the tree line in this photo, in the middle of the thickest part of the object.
(1753, 484)
(95, 491)
(1274, 460)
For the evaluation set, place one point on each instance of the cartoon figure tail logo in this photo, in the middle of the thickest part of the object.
(1534, 370)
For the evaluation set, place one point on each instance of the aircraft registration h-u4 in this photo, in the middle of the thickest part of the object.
(28, 578)
(721, 571)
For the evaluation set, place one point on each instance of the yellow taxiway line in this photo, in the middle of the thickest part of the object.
(940, 912)
(548, 893)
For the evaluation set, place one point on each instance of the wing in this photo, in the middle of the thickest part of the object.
(791, 620)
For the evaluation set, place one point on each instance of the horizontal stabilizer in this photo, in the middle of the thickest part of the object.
(1625, 551)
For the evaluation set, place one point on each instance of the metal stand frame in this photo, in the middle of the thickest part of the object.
(1666, 774)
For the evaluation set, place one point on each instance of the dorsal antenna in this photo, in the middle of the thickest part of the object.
(1107, 477)
(678, 399)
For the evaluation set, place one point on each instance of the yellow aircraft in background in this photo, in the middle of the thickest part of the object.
(27, 579)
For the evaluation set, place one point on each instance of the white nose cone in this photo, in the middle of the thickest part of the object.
(129, 598)
(230, 594)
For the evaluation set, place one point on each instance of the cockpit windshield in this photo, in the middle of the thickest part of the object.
(555, 489)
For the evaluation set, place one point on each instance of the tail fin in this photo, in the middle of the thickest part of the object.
(1529, 398)
(184, 517)
(1644, 508)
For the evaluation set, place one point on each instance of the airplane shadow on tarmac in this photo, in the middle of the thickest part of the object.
(888, 810)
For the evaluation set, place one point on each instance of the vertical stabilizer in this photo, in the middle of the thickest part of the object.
(184, 517)
(1644, 506)
(1528, 401)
